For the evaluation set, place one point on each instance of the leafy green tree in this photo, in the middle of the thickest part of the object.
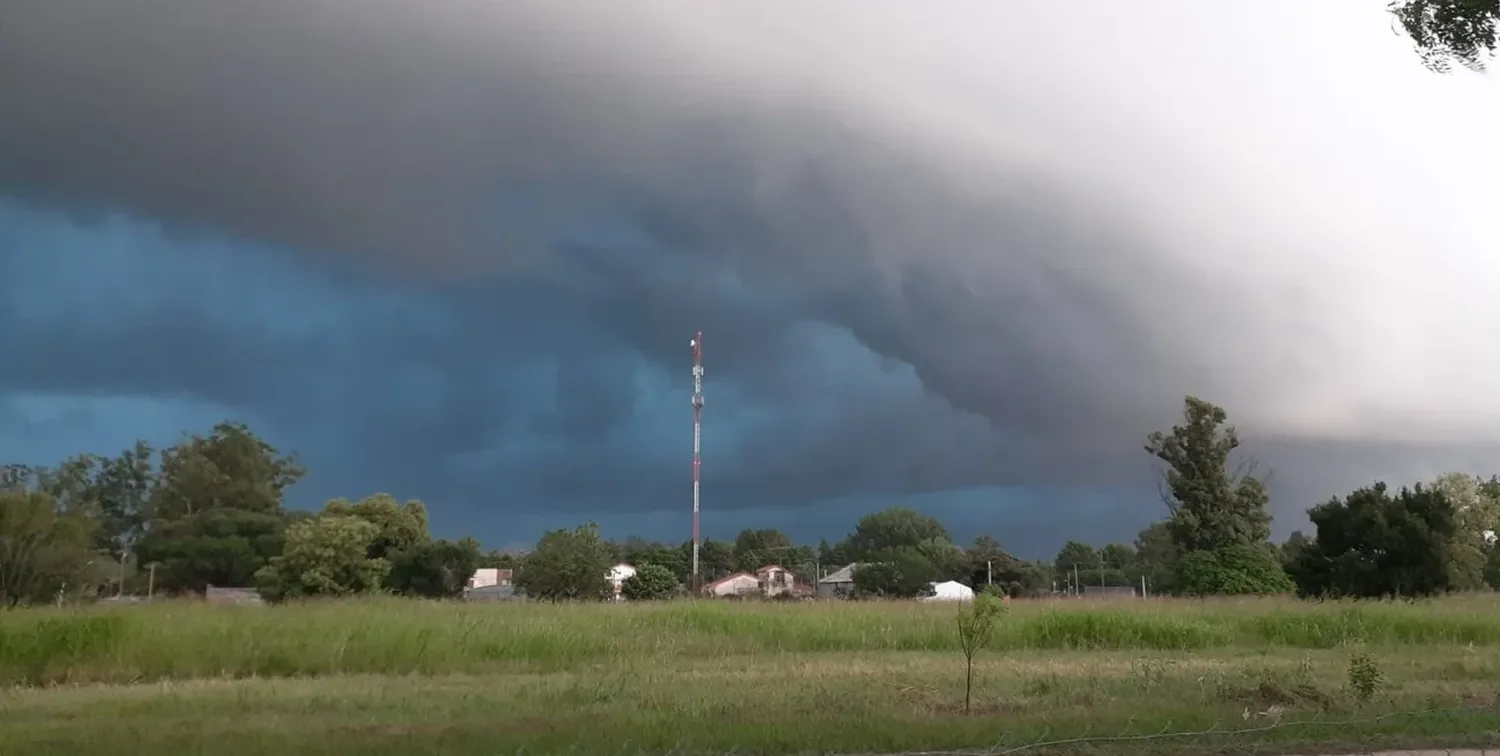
(433, 569)
(42, 550)
(1076, 554)
(1291, 550)
(1449, 31)
(651, 582)
(889, 530)
(230, 468)
(324, 556)
(1372, 544)
(223, 547)
(1212, 505)
(401, 526)
(1156, 557)
(1476, 513)
(897, 573)
(1492, 566)
(1237, 570)
(755, 547)
(715, 559)
(1118, 556)
(567, 565)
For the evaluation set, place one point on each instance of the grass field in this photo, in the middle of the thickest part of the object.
(396, 677)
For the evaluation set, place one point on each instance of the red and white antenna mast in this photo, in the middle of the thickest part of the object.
(697, 344)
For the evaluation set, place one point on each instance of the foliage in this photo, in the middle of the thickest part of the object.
(1449, 31)
(890, 530)
(433, 569)
(325, 556)
(896, 573)
(651, 582)
(1076, 554)
(1372, 544)
(1365, 676)
(1232, 571)
(230, 468)
(223, 547)
(42, 550)
(567, 565)
(1212, 506)
(401, 526)
(976, 626)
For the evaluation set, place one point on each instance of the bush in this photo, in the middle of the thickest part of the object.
(1232, 571)
(650, 582)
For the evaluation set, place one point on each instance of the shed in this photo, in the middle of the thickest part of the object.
(840, 582)
(950, 591)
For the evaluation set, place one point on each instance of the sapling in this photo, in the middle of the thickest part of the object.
(976, 627)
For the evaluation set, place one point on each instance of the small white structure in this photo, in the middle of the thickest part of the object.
(775, 580)
(486, 577)
(950, 591)
(617, 576)
(738, 584)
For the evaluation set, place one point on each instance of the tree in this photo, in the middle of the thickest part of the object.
(401, 526)
(898, 573)
(1448, 31)
(223, 547)
(1117, 555)
(433, 569)
(230, 468)
(567, 565)
(1476, 513)
(1239, 570)
(42, 550)
(1212, 506)
(976, 626)
(1076, 554)
(1372, 544)
(651, 582)
(324, 556)
(889, 530)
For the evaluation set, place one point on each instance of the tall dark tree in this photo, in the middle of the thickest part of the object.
(891, 530)
(433, 569)
(1076, 554)
(223, 547)
(1450, 31)
(567, 565)
(1371, 544)
(230, 468)
(897, 573)
(1214, 502)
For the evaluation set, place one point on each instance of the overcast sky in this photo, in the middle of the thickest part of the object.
(960, 256)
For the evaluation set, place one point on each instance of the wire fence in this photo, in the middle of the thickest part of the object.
(1466, 731)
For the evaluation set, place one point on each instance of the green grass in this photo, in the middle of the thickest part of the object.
(410, 677)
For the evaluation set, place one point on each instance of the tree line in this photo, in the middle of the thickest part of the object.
(210, 511)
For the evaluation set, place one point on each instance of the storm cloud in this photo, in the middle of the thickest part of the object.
(456, 248)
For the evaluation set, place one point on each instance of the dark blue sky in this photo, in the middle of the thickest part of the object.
(455, 251)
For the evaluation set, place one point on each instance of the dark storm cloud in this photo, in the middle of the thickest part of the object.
(920, 263)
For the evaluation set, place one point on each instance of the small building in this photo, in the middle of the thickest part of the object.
(493, 593)
(775, 580)
(951, 590)
(738, 584)
(216, 595)
(617, 576)
(485, 577)
(838, 583)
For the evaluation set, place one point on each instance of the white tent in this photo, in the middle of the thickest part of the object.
(950, 591)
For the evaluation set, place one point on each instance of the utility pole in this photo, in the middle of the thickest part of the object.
(989, 572)
(697, 345)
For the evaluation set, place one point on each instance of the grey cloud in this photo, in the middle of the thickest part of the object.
(1053, 260)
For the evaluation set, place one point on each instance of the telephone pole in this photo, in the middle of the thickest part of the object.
(697, 344)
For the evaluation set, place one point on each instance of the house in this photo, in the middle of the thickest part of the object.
(216, 595)
(738, 584)
(775, 580)
(950, 591)
(837, 584)
(493, 593)
(617, 576)
(485, 577)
